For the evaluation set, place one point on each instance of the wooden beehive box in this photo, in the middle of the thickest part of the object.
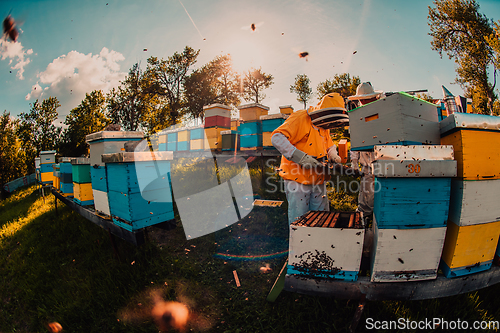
(266, 140)
(412, 185)
(82, 194)
(474, 202)
(399, 118)
(218, 121)
(326, 245)
(217, 110)
(80, 168)
(139, 192)
(252, 112)
(229, 138)
(476, 140)
(401, 255)
(272, 121)
(469, 249)
(286, 109)
(108, 142)
(100, 188)
(47, 157)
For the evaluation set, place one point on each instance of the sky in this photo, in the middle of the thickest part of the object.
(69, 48)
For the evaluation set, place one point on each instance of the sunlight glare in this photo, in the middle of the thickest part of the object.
(246, 54)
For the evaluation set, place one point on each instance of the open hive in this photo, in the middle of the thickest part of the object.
(326, 245)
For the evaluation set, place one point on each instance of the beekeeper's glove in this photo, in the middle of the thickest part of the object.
(304, 160)
(333, 155)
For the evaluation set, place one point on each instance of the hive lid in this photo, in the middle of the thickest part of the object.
(125, 135)
(80, 160)
(65, 159)
(274, 116)
(137, 156)
(216, 105)
(47, 152)
(253, 105)
(459, 120)
(414, 152)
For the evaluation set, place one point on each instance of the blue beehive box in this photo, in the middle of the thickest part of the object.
(272, 121)
(412, 186)
(183, 146)
(250, 128)
(98, 176)
(197, 133)
(250, 141)
(139, 191)
(66, 176)
(172, 146)
(171, 137)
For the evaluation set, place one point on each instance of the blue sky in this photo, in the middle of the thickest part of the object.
(69, 48)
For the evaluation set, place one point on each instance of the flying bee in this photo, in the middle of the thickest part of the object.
(253, 27)
(9, 28)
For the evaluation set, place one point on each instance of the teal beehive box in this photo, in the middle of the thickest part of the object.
(81, 170)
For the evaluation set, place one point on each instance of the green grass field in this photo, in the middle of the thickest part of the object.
(62, 268)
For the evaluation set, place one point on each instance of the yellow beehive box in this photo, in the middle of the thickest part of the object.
(197, 144)
(162, 138)
(214, 143)
(56, 183)
(477, 153)
(214, 132)
(266, 139)
(252, 112)
(469, 249)
(183, 136)
(83, 191)
(47, 177)
(234, 124)
(286, 109)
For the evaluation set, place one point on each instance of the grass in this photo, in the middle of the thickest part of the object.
(61, 267)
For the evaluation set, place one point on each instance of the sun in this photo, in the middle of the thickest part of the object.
(246, 54)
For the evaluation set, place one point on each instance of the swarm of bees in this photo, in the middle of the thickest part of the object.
(9, 28)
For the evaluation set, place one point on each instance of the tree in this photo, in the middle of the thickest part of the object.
(494, 41)
(165, 78)
(459, 30)
(253, 83)
(215, 82)
(425, 97)
(302, 89)
(37, 131)
(342, 84)
(12, 158)
(127, 106)
(88, 117)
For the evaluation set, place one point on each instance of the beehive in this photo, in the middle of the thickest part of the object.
(252, 112)
(412, 186)
(197, 144)
(139, 190)
(272, 121)
(469, 249)
(399, 118)
(342, 150)
(82, 181)
(266, 140)
(217, 110)
(183, 136)
(183, 145)
(108, 142)
(100, 188)
(286, 109)
(56, 174)
(406, 254)
(66, 176)
(326, 245)
(228, 141)
(476, 141)
(197, 133)
(47, 157)
(218, 121)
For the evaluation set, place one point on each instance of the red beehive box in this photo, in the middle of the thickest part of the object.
(218, 121)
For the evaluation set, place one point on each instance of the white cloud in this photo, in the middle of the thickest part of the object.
(71, 76)
(15, 52)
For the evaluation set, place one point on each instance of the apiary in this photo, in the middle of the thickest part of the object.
(476, 141)
(326, 245)
(412, 185)
(139, 191)
(108, 142)
(82, 181)
(398, 118)
(252, 112)
(217, 110)
(401, 255)
(469, 248)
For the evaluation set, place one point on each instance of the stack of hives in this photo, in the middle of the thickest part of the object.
(269, 124)
(47, 159)
(56, 175)
(82, 183)
(326, 245)
(138, 186)
(250, 129)
(412, 196)
(474, 222)
(411, 186)
(105, 142)
(65, 176)
(217, 120)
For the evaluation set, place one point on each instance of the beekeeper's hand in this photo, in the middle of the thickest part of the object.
(304, 160)
(333, 155)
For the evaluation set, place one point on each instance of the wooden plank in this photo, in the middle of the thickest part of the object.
(411, 290)
(136, 238)
(278, 285)
(334, 220)
(351, 221)
(316, 220)
(328, 221)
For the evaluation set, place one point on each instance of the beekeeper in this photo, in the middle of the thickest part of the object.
(302, 143)
(364, 95)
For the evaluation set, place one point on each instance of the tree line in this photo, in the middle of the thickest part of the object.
(169, 90)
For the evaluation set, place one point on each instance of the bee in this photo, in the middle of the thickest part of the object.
(9, 28)
(303, 55)
(253, 27)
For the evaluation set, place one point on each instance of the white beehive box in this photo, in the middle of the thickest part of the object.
(109, 142)
(326, 245)
(401, 255)
(217, 110)
(399, 118)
